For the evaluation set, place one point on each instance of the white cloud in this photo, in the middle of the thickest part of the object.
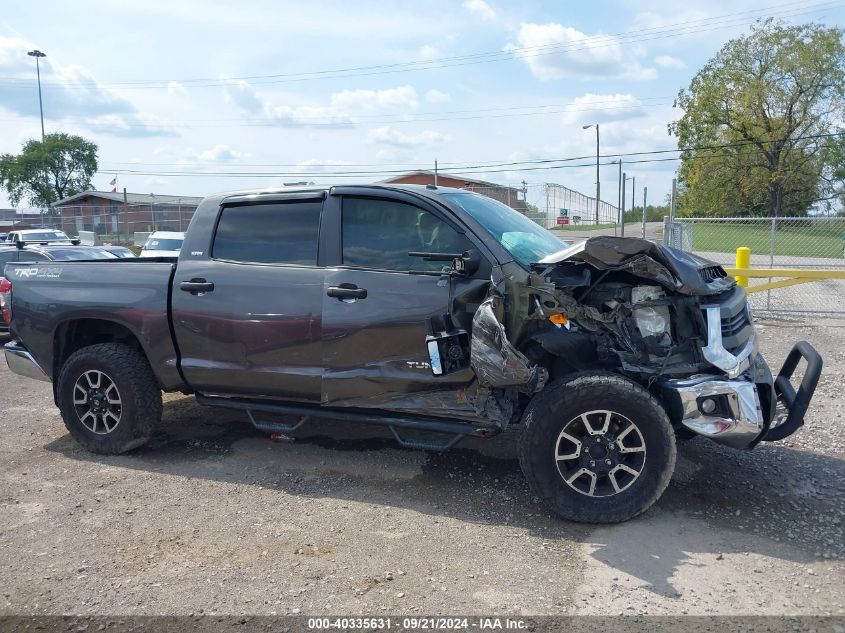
(241, 94)
(219, 154)
(667, 61)
(568, 53)
(349, 101)
(480, 9)
(341, 109)
(388, 135)
(427, 52)
(70, 92)
(436, 96)
(597, 108)
(175, 88)
(128, 125)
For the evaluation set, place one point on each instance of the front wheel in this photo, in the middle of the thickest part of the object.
(109, 398)
(597, 448)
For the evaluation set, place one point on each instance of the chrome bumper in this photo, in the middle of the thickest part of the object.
(21, 362)
(716, 354)
(736, 418)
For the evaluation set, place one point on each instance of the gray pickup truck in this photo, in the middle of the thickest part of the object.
(439, 313)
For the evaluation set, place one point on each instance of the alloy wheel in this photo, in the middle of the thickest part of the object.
(97, 402)
(600, 453)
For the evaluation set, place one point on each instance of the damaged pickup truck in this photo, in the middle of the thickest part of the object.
(439, 313)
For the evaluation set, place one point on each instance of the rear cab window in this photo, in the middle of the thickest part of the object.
(271, 233)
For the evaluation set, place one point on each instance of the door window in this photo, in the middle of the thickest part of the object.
(275, 233)
(380, 234)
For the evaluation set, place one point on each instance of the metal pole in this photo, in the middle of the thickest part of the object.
(645, 192)
(40, 102)
(673, 200)
(633, 195)
(771, 259)
(622, 206)
(598, 182)
(619, 195)
(38, 55)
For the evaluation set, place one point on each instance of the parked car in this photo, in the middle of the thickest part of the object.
(40, 236)
(424, 309)
(9, 253)
(120, 251)
(163, 244)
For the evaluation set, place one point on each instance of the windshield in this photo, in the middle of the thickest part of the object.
(525, 240)
(158, 244)
(44, 236)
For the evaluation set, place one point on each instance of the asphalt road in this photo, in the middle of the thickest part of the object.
(211, 517)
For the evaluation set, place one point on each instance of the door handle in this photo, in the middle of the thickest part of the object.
(195, 286)
(346, 291)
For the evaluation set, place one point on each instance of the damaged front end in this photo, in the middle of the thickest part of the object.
(673, 322)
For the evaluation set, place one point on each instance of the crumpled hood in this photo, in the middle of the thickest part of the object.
(674, 269)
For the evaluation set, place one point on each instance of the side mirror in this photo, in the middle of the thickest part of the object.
(467, 264)
(76, 241)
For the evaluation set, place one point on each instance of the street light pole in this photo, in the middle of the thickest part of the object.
(38, 55)
(598, 181)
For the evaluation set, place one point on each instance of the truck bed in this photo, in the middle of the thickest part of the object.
(51, 297)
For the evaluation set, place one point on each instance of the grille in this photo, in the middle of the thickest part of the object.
(731, 326)
(711, 273)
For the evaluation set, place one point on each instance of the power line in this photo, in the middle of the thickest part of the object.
(489, 168)
(396, 119)
(600, 41)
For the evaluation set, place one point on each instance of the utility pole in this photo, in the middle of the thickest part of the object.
(598, 181)
(619, 193)
(645, 192)
(38, 55)
(622, 204)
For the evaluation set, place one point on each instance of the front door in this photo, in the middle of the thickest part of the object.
(377, 311)
(247, 316)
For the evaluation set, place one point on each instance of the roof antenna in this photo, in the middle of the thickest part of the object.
(435, 172)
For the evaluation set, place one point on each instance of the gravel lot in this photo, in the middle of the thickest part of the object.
(211, 517)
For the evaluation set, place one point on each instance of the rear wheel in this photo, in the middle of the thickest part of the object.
(109, 398)
(597, 448)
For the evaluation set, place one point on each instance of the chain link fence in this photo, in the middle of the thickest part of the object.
(114, 224)
(805, 243)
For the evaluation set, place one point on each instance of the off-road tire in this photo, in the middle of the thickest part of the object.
(139, 392)
(562, 401)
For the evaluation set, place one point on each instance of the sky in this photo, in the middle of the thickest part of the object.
(190, 97)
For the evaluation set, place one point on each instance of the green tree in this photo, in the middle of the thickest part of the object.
(46, 171)
(773, 97)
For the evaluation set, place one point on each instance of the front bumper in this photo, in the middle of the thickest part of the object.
(21, 362)
(742, 411)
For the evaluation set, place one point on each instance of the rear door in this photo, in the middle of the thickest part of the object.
(376, 311)
(247, 317)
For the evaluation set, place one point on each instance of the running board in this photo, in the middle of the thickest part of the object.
(457, 429)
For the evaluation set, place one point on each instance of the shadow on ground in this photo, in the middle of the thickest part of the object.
(720, 501)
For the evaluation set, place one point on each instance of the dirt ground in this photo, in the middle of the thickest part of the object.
(211, 517)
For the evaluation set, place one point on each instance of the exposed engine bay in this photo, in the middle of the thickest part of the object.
(673, 322)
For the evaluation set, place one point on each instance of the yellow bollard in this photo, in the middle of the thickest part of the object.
(743, 260)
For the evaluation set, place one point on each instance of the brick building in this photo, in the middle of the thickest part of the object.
(514, 197)
(108, 212)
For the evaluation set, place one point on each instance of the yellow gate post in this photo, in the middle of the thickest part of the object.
(743, 260)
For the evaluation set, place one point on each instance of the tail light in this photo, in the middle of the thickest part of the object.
(5, 300)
